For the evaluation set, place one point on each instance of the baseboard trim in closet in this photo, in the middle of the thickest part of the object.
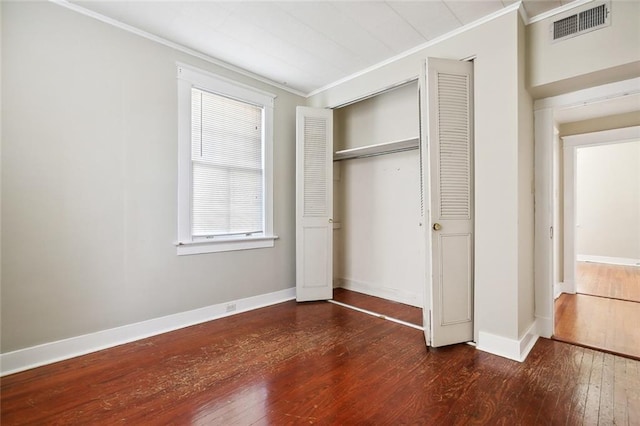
(400, 296)
(375, 314)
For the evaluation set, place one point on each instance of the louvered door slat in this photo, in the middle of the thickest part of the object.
(454, 139)
(315, 166)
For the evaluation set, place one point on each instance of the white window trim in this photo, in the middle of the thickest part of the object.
(189, 77)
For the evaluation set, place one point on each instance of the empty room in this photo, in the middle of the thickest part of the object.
(249, 212)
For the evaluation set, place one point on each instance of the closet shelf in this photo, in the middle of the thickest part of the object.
(377, 149)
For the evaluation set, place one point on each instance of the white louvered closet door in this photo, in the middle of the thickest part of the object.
(450, 135)
(314, 204)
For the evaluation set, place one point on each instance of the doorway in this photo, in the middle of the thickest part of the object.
(600, 305)
(612, 99)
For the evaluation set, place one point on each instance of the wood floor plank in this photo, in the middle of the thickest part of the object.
(514, 397)
(482, 400)
(580, 391)
(633, 392)
(536, 392)
(605, 416)
(318, 363)
(566, 394)
(557, 382)
(594, 391)
(620, 407)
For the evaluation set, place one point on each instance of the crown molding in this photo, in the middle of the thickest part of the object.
(176, 46)
(437, 40)
(558, 10)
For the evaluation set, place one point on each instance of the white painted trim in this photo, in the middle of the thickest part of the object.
(207, 80)
(516, 350)
(545, 123)
(544, 130)
(569, 219)
(563, 287)
(591, 95)
(388, 293)
(47, 353)
(247, 243)
(605, 137)
(189, 77)
(176, 46)
(545, 326)
(420, 47)
(375, 92)
(609, 260)
(172, 45)
(528, 340)
(523, 14)
(558, 10)
(557, 290)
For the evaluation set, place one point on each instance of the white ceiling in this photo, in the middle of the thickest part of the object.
(304, 45)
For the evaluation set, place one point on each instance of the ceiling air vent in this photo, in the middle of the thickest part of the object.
(582, 22)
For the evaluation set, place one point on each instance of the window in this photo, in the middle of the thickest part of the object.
(224, 164)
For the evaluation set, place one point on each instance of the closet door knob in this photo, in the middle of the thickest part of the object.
(330, 220)
(437, 226)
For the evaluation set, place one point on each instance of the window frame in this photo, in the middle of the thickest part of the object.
(189, 77)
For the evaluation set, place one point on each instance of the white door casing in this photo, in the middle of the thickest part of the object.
(609, 99)
(314, 204)
(447, 149)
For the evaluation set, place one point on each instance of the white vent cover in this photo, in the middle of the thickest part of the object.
(590, 19)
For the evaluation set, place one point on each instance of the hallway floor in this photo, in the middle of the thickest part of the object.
(606, 311)
(612, 281)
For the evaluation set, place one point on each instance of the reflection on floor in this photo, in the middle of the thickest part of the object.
(385, 307)
(613, 281)
(320, 363)
(606, 311)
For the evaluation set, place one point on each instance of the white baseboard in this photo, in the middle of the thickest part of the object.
(516, 350)
(35, 356)
(564, 287)
(610, 260)
(396, 295)
(545, 326)
(557, 290)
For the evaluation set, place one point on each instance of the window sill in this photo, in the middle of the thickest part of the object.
(245, 243)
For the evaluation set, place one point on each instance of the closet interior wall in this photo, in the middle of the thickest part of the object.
(378, 241)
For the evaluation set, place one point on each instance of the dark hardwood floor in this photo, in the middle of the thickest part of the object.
(388, 308)
(320, 363)
(612, 281)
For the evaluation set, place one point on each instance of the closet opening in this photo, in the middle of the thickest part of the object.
(378, 243)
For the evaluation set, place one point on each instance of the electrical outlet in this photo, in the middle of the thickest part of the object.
(231, 307)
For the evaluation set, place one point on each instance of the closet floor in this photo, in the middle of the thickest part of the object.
(385, 307)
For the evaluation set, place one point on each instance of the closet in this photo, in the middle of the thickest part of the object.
(385, 199)
(377, 238)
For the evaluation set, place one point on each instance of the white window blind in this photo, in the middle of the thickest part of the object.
(227, 166)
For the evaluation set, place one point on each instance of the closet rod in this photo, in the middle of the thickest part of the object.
(377, 149)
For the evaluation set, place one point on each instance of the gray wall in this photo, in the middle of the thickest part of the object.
(89, 172)
(608, 201)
